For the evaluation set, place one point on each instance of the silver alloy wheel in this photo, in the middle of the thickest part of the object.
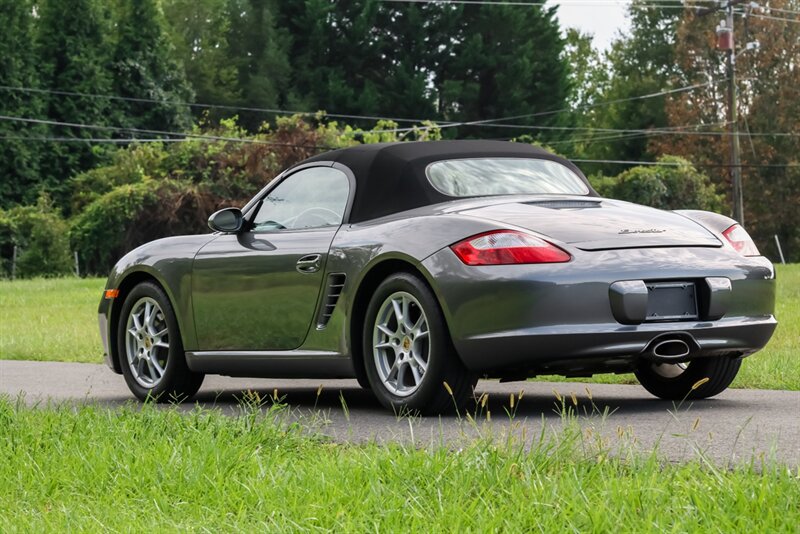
(401, 344)
(670, 370)
(147, 342)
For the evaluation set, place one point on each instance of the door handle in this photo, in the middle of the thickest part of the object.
(309, 263)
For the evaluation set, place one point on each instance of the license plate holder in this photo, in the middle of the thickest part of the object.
(671, 301)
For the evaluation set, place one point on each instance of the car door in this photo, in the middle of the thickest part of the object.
(258, 289)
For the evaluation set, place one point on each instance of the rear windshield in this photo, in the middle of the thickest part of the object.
(504, 176)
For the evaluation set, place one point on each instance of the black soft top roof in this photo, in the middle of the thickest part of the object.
(390, 177)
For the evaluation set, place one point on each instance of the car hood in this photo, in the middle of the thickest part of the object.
(599, 224)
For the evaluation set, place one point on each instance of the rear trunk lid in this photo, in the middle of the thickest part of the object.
(599, 224)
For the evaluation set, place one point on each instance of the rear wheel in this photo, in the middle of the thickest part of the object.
(150, 348)
(410, 360)
(676, 381)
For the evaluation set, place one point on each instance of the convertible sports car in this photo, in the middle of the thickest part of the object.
(419, 267)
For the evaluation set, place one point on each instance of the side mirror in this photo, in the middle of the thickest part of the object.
(228, 220)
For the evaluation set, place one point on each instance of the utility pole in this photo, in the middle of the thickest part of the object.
(727, 42)
(733, 118)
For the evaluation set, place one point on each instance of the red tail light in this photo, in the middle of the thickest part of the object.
(741, 241)
(507, 247)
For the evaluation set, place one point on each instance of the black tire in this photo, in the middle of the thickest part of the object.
(720, 372)
(178, 383)
(443, 364)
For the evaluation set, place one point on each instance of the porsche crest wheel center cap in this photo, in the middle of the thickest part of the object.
(406, 344)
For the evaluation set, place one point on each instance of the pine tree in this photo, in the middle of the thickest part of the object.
(334, 54)
(144, 67)
(411, 37)
(506, 61)
(258, 50)
(73, 56)
(19, 158)
(199, 33)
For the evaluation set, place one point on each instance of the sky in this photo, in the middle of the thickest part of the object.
(602, 18)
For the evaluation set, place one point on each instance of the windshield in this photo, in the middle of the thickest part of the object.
(504, 176)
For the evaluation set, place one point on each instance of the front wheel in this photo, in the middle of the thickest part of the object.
(150, 348)
(410, 360)
(677, 381)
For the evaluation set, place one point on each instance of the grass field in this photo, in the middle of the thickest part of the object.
(144, 469)
(56, 319)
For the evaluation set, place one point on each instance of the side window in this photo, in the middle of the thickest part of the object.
(310, 198)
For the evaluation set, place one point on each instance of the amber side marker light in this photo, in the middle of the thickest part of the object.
(112, 293)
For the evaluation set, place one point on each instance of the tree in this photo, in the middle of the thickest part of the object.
(588, 72)
(505, 61)
(411, 36)
(144, 67)
(769, 106)
(589, 77)
(198, 31)
(234, 53)
(427, 60)
(258, 50)
(369, 57)
(19, 158)
(361, 57)
(641, 63)
(336, 56)
(73, 55)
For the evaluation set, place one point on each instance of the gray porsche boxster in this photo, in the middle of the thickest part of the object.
(419, 267)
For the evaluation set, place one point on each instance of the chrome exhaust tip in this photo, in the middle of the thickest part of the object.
(671, 349)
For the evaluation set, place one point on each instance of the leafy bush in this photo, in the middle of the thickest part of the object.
(41, 238)
(677, 186)
(163, 189)
(604, 185)
(133, 214)
(127, 167)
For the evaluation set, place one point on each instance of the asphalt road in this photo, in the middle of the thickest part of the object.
(737, 426)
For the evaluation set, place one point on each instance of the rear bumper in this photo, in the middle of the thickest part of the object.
(561, 318)
(540, 349)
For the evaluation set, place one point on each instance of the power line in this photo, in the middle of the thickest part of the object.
(589, 129)
(610, 161)
(779, 10)
(109, 140)
(155, 132)
(678, 130)
(181, 134)
(697, 165)
(669, 4)
(768, 17)
(655, 132)
(619, 134)
(604, 103)
(200, 105)
(651, 4)
(491, 123)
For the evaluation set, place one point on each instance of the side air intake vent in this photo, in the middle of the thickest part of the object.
(566, 204)
(332, 293)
